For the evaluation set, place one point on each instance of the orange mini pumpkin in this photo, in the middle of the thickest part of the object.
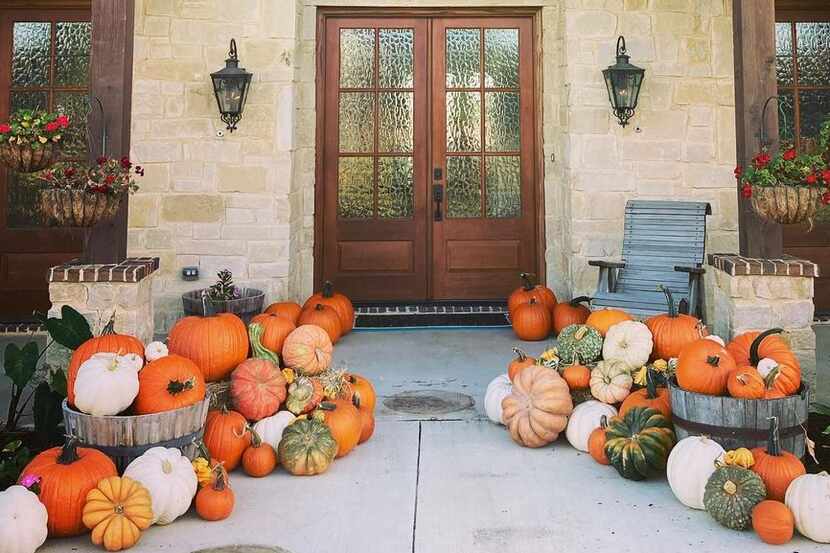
(168, 383)
(275, 329)
(215, 502)
(751, 348)
(672, 330)
(773, 522)
(652, 396)
(344, 422)
(337, 301)
(521, 361)
(367, 425)
(596, 442)
(531, 321)
(528, 291)
(217, 343)
(226, 437)
(259, 458)
(603, 319)
(776, 467)
(703, 367)
(325, 317)
(570, 313)
(746, 383)
(577, 376)
(287, 309)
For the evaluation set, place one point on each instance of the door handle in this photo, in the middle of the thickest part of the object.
(438, 198)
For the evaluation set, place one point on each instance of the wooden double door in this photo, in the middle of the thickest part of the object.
(427, 183)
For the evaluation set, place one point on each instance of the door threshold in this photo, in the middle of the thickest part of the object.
(431, 314)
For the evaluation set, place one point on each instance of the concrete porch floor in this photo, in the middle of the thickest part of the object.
(451, 483)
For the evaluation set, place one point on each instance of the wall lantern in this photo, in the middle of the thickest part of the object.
(623, 81)
(230, 85)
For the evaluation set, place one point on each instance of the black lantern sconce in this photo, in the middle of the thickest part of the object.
(623, 81)
(230, 85)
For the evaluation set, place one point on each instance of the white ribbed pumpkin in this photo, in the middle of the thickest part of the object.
(630, 342)
(808, 497)
(717, 339)
(170, 479)
(22, 521)
(154, 351)
(691, 463)
(499, 388)
(585, 418)
(107, 383)
(270, 428)
(611, 381)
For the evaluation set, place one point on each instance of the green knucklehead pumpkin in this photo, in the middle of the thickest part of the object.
(579, 344)
(307, 447)
(638, 444)
(731, 493)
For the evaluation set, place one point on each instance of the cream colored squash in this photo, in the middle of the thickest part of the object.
(154, 351)
(630, 342)
(717, 339)
(584, 419)
(766, 366)
(499, 388)
(691, 463)
(22, 521)
(270, 428)
(808, 497)
(107, 383)
(170, 479)
(611, 381)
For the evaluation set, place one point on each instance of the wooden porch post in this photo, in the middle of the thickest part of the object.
(755, 81)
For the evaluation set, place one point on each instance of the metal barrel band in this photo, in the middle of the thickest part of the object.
(730, 432)
(124, 451)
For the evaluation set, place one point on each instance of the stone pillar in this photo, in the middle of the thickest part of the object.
(98, 291)
(743, 294)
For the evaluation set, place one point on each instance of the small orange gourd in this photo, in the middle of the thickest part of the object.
(215, 502)
(596, 442)
(521, 361)
(776, 467)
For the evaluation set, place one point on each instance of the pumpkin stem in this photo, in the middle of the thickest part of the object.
(327, 406)
(773, 443)
(176, 387)
(756, 343)
(769, 380)
(603, 422)
(669, 300)
(713, 360)
(651, 386)
(202, 449)
(245, 429)
(109, 328)
(580, 333)
(730, 487)
(328, 289)
(255, 332)
(581, 299)
(521, 356)
(527, 282)
(69, 451)
(256, 440)
(219, 483)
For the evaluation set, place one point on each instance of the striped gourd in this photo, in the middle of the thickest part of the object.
(307, 447)
(731, 494)
(638, 443)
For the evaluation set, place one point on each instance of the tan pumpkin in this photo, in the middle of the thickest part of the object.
(611, 381)
(538, 408)
(307, 350)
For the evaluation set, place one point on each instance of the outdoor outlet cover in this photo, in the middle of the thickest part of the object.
(190, 273)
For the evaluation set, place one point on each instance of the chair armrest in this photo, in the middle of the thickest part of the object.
(690, 270)
(606, 264)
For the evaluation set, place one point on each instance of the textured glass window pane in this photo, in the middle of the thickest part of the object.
(31, 54)
(76, 106)
(463, 58)
(786, 116)
(501, 121)
(73, 42)
(357, 120)
(395, 187)
(396, 58)
(501, 58)
(813, 53)
(503, 185)
(395, 114)
(784, 53)
(463, 121)
(29, 100)
(814, 107)
(357, 58)
(23, 197)
(464, 186)
(355, 188)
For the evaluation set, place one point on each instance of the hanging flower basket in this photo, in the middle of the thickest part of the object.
(24, 158)
(77, 208)
(787, 205)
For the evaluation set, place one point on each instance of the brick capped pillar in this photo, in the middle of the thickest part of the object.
(743, 293)
(98, 291)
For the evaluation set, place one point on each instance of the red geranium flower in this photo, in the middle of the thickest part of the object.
(825, 176)
(110, 179)
(825, 198)
(5, 129)
(811, 179)
(52, 126)
(101, 160)
(761, 160)
(746, 191)
(125, 162)
(739, 171)
(63, 121)
(790, 154)
(69, 172)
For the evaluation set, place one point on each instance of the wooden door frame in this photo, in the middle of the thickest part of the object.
(326, 13)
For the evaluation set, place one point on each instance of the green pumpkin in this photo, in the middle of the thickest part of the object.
(307, 447)
(731, 494)
(579, 344)
(638, 444)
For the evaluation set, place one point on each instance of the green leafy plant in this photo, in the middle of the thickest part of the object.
(224, 289)
(13, 459)
(34, 127)
(821, 409)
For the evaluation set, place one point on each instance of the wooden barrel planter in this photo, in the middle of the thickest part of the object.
(246, 306)
(124, 438)
(735, 423)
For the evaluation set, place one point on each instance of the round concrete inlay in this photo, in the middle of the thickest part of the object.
(243, 549)
(428, 402)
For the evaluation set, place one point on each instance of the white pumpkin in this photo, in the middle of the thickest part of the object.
(154, 351)
(107, 383)
(766, 366)
(717, 339)
(584, 419)
(22, 521)
(691, 463)
(630, 342)
(611, 381)
(499, 388)
(170, 479)
(270, 428)
(808, 497)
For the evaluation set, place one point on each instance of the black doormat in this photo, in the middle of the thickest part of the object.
(455, 314)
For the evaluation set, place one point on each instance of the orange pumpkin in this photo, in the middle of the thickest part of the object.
(773, 522)
(603, 319)
(596, 442)
(746, 383)
(365, 392)
(521, 361)
(652, 396)
(531, 321)
(776, 467)
(226, 437)
(259, 458)
(344, 422)
(275, 329)
(340, 303)
(703, 367)
(528, 291)
(307, 350)
(217, 343)
(215, 502)
(107, 342)
(672, 330)
(774, 393)
(257, 389)
(570, 313)
(367, 425)
(577, 376)
(325, 317)
(751, 347)
(67, 474)
(287, 309)
(168, 383)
